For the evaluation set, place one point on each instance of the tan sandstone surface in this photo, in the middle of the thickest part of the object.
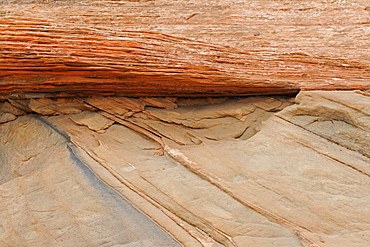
(126, 123)
(255, 171)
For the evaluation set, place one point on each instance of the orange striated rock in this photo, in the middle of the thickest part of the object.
(187, 48)
(78, 168)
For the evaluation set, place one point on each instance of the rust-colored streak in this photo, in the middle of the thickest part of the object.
(39, 57)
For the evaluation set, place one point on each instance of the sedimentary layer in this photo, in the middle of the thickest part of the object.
(181, 48)
(253, 171)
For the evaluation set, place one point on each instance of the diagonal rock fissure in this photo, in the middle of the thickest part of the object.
(250, 173)
(73, 148)
(326, 138)
(207, 176)
(186, 162)
(335, 159)
(204, 240)
(226, 240)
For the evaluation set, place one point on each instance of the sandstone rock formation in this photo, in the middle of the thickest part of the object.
(256, 171)
(181, 48)
(126, 123)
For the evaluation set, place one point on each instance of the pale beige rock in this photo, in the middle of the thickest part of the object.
(6, 117)
(132, 104)
(199, 101)
(21, 104)
(211, 172)
(342, 117)
(92, 120)
(191, 124)
(188, 196)
(49, 197)
(166, 103)
(108, 104)
(7, 107)
(292, 174)
(45, 106)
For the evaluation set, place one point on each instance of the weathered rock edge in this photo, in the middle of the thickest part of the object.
(42, 58)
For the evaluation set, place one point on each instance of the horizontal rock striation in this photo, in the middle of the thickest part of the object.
(77, 52)
(109, 135)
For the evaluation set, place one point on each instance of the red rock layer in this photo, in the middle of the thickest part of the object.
(40, 57)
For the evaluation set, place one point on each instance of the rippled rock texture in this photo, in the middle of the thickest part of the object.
(255, 171)
(182, 48)
(125, 123)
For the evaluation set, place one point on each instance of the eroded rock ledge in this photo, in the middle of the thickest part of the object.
(181, 48)
(255, 171)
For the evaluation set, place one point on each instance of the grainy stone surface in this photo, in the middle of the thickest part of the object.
(48, 197)
(256, 171)
(182, 48)
(83, 164)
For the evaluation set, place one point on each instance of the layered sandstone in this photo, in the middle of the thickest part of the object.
(256, 171)
(181, 48)
(109, 136)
